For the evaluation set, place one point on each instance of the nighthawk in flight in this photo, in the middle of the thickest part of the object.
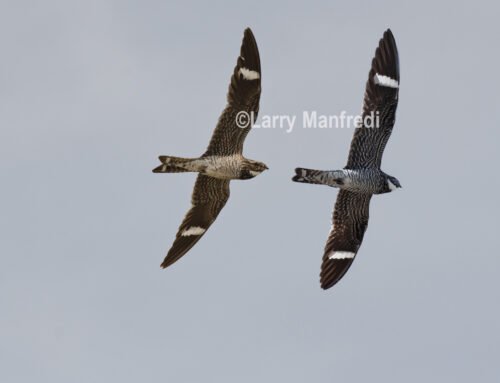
(223, 160)
(362, 176)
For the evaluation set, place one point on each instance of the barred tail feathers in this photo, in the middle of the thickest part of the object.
(172, 164)
(320, 177)
(308, 176)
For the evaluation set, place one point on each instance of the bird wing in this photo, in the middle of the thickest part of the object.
(349, 223)
(381, 97)
(209, 197)
(242, 98)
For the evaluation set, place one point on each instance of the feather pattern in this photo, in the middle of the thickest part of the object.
(209, 197)
(243, 96)
(368, 143)
(349, 223)
(223, 159)
(362, 177)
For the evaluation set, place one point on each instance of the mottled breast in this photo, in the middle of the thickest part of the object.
(223, 167)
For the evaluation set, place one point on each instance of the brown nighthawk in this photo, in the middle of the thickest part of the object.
(223, 160)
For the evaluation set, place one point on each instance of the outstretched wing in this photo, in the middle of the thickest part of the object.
(243, 101)
(349, 223)
(209, 197)
(381, 99)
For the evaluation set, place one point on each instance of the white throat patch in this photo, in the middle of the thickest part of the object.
(391, 185)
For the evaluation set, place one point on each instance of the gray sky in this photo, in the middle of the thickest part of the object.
(92, 92)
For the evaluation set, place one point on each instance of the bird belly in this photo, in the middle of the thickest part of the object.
(222, 167)
(360, 181)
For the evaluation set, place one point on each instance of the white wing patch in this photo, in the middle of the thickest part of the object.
(380, 79)
(249, 74)
(341, 255)
(193, 230)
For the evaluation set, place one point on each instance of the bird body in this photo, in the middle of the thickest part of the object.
(368, 180)
(362, 177)
(231, 167)
(223, 160)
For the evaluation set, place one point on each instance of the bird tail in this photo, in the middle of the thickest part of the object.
(309, 176)
(172, 165)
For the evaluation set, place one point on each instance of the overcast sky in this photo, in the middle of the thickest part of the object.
(92, 92)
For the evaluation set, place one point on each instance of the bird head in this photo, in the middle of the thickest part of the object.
(391, 184)
(252, 169)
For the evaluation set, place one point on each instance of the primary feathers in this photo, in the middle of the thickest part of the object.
(223, 160)
(362, 177)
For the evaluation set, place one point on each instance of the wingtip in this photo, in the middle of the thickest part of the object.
(248, 31)
(163, 266)
(324, 288)
(327, 286)
(166, 263)
(250, 40)
(249, 36)
(389, 36)
(327, 282)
